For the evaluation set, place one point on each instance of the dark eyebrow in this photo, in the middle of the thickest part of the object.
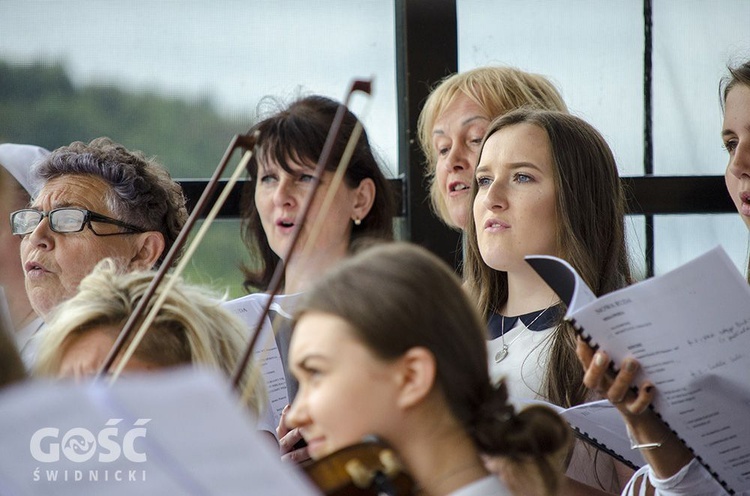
(725, 131)
(519, 165)
(288, 167)
(303, 363)
(513, 166)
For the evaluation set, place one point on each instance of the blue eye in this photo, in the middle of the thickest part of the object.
(267, 178)
(483, 182)
(306, 178)
(523, 178)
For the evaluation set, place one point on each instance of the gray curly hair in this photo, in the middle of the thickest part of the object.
(142, 191)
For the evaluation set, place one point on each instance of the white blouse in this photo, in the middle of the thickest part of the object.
(525, 364)
(524, 368)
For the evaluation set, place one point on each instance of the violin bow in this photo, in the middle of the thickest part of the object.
(338, 178)
(274, 286)
(244, 141)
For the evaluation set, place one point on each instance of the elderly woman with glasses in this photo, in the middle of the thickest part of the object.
(98, 200)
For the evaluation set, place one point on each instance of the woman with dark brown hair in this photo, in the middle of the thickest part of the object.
(290, 142)
(289, 145)
(387, 344)
(546, 184)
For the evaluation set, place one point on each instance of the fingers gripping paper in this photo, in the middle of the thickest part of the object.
(690, 331)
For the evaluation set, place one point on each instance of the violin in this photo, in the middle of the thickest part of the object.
(369, 468)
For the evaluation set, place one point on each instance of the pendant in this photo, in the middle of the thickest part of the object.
(500, 355)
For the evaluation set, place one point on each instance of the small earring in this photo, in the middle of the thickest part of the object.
(357, 221)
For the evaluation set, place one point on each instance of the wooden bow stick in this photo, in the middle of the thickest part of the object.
(244, 141)
(274, 286)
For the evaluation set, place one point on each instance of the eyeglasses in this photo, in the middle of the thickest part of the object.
(65, 220)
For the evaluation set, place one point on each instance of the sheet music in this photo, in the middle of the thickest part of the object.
(600, 424)
(248, 309)
(690, 331)
(175, 432)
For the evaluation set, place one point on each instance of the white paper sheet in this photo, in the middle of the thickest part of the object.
(248, 309)
(179, 432)
(690, 331)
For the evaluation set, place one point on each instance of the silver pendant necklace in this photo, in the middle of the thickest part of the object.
(503, 353)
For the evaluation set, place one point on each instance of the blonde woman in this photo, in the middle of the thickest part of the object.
(190, 328)
(453, 122)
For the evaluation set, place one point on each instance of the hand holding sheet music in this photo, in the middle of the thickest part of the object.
(690, 331)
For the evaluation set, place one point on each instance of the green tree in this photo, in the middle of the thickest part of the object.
(39, 104)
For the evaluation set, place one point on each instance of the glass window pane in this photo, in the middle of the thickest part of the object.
(680, 238)
(221, 57)
(693, 43)
(591, 50)
(179, 79)
(217, 261)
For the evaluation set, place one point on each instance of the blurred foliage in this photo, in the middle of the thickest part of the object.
(39, 104)
(217, 261)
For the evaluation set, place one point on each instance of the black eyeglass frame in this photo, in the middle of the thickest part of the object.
(88, 217)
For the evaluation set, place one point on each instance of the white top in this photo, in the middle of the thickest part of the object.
(489, 486)
(20, 161)
(27, 340)
(692, 480)
(524, 368)
(525, 364)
